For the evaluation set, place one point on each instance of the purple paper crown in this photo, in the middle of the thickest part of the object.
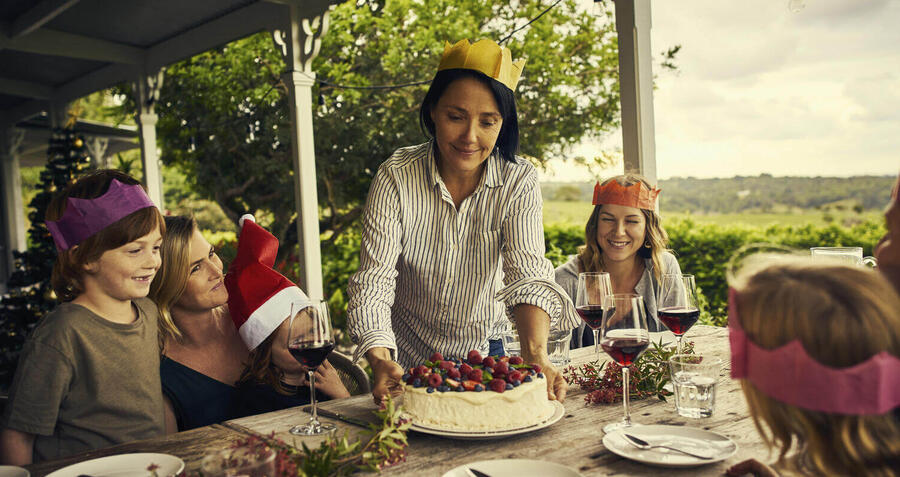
(85, 217)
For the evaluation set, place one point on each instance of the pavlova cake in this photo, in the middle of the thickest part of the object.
(476, 394)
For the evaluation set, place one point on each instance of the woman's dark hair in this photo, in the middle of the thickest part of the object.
(508, 140)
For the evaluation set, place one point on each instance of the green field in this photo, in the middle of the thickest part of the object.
(577, 213)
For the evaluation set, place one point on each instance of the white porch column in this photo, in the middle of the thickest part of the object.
(147, 89)
(299, 48)
(13, 213)
(636, 87)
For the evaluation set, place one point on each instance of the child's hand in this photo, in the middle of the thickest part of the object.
(328, 381)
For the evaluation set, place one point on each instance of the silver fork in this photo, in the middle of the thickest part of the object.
(642, 444)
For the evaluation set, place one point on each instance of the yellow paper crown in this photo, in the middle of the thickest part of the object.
(484, 56)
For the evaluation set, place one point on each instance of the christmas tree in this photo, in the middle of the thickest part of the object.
(30, 295)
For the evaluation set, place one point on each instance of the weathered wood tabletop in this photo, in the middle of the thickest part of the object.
(574, 441)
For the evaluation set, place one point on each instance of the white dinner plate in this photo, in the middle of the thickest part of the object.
(13, 471)
(690, 439)
(122, 465)
(558, 412)
(515, 468)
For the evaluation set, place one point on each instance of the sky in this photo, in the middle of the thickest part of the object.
(784, 87)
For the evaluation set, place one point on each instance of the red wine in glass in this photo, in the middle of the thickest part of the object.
(624, 350)
(310, 354)
(309, 341)
(624, 338)
(592, 315)
(678, 319)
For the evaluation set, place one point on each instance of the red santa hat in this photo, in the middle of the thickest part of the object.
(259, 298)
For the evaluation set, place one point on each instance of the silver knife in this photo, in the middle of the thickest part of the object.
(476, 473)
(338, 416)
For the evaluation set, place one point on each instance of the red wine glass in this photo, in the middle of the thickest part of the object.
(677, 306)
(309, 342)
(593, 287)
(625, 338)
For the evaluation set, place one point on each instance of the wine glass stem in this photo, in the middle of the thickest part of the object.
(596, 343)
(314, 420)
(678, 344)
(626, 373)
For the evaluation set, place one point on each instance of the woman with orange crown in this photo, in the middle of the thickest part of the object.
(450, 221)
(623, 237)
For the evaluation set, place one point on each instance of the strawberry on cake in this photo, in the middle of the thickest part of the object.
(476, 394)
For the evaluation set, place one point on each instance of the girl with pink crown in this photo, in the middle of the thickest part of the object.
(816, 348)
(88, 376)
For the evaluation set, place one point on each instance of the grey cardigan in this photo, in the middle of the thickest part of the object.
(647, 287)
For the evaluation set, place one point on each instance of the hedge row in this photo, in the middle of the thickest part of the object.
(702, 249)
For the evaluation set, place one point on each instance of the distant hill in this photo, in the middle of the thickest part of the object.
(763, 193)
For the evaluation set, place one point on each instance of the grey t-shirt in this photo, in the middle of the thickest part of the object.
(84, 382)
(647, 287)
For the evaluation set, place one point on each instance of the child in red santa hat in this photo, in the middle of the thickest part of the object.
(260, 299)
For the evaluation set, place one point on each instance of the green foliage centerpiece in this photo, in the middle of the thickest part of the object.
(384, 446)
(649, 375)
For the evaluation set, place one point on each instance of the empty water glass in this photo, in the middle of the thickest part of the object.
(694, 379)
(558, 347)
(511, 345)
(849, 255)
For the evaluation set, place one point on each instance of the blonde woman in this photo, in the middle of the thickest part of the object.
(846, 323)
(202, 353)
(623, 237)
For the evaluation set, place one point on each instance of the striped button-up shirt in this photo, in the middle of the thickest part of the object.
(429, 271)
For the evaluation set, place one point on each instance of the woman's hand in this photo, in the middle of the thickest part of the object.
(752, 467)
(388, 375)
(329, 382)
(556, 385)
(533, 325)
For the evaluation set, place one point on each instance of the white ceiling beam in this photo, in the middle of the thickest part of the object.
(38, 15)
(25, 88)
(237, 24)
(58, 43)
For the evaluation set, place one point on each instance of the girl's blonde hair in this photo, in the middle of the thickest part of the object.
(171, 280)
(842, 315)
(590, 255)
(68, 270)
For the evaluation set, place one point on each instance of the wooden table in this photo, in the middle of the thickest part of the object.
(574, 441)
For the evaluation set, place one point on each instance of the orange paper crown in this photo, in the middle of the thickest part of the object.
(636, 195)
(484, 56)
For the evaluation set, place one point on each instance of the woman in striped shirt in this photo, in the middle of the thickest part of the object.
(446, 224)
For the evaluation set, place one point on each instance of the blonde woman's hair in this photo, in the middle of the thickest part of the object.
(590, 255)
(171, 280)
(842, 315)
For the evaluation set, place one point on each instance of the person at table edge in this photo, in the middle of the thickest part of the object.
(440, 220)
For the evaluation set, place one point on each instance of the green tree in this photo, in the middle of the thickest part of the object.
(224, 118)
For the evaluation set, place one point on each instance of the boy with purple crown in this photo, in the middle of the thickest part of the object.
(88, 376)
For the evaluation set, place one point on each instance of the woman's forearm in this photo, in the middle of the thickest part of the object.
(533, 325)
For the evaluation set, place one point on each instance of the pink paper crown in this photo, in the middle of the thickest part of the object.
(85, 217)
(636, 195)
(789, 375)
